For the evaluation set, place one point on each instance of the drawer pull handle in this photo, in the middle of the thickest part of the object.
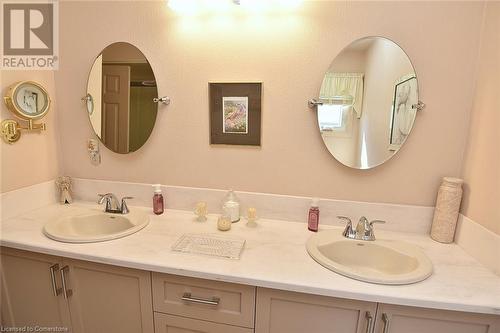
(66, 292)
(53, 270)
(369, 320)
(385, 319)
(188, 298)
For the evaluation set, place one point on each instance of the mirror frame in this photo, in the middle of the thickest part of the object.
(11, 101)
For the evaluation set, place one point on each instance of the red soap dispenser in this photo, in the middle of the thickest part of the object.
(157, 200)
(313, 219)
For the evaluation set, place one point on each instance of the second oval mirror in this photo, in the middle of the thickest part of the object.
(120, 92)
(369, 101)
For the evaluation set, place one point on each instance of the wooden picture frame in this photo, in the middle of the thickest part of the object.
(235, 113)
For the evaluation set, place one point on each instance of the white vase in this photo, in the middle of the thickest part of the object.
(447, 208)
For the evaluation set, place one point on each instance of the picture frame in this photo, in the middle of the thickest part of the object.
(402, 105)
(235, 113)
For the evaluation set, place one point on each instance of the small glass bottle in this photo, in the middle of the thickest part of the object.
(313, 218)
(231, 206)
(157, 200)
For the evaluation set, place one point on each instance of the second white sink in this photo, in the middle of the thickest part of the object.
(379, 261)
(94, 226)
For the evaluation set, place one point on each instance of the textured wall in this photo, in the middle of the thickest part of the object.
(290, 54)
(482, 163)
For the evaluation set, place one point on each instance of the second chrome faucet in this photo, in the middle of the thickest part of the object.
(363, 231)
(112, 205)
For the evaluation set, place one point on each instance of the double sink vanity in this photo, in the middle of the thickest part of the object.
(80, 267)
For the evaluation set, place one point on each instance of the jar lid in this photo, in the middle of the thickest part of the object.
(457, 181)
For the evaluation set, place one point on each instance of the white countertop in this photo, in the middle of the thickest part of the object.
(274, 257)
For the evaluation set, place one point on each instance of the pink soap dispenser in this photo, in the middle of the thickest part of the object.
(313, 218)
(157, 200)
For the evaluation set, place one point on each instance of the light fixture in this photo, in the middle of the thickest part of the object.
(192, 7)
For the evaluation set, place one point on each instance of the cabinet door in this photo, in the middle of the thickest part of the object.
(30, 294)
(405, 319)
(105, 298)
(173, 324)
(288, 312)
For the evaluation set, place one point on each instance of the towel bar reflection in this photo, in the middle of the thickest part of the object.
(314, 103)
(164, 100)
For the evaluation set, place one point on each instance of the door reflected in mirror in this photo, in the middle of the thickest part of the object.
(120, 91)
(369, 101)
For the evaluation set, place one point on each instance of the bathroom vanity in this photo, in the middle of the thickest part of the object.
(137, 284)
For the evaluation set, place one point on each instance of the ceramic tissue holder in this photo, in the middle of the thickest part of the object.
(64, 185)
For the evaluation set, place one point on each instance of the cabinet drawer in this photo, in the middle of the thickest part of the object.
(214, 301)
(169, 324)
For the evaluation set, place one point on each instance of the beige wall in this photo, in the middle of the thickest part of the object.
(482, 161)
(34, 158)
(290, 54)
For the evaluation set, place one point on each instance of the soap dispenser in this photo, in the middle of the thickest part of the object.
(313, 218)
(231, 206)
(157, 200)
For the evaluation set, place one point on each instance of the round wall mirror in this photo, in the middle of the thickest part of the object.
(368, 102)
(120, 92)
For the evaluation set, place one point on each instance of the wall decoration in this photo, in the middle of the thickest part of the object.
(235, 113)
(403, 112)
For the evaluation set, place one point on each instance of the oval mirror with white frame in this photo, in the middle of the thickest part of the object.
(368, 102)
(120, 92)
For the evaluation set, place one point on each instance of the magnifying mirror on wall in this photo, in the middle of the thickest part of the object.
(28, 101)
(121, 98)
(368, 102)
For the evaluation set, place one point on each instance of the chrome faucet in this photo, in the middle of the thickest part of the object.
(349, 232)
(363, 231)
(112, 205)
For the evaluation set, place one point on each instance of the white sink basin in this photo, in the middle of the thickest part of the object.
(94, 226)
(379, 261)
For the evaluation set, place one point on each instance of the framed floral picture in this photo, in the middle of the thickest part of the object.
(235, 113)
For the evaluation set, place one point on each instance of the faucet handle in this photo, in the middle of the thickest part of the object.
(366, 229)
(377, 221)
(344, 219)
(348, 231)
(124, 208)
